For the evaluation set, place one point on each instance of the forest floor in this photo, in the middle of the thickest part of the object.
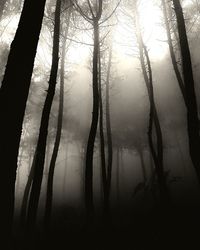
(172, 228)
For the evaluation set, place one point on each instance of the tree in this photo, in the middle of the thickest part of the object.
(192, 111)
(49, 196)
(95, 12)
(108, 132)
(172, 52)
(95, 114)
(101, 132)
(26, 193)
(156, 151)
(13, 97)
(43, 132)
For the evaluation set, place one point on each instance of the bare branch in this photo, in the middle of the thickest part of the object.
(79, 9)
(111, 13)
(90, 7)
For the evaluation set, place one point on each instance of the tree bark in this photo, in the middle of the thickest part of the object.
(109, 131)
(102, 140)
(93, 130)
(26, 194)
(192, 111)
(13, 97)
(156, 152)
(43, 133)
(172, 54)
(49, 197)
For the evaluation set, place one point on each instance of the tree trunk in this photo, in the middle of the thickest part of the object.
(26, 193)
(108, 130)
(102, 141)
(93, 129)
(13, 97)
(192, 112)
(172, 54)
(157, 152)
(43, 133)
(49, 197)
(27, 189)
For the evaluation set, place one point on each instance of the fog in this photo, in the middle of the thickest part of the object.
(134, 189)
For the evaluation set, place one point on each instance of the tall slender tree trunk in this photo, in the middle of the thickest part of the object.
(26, 193)
(27, 189)
(158, 154)
(156, 151)
(109, 131)
(93, 130)
(49, 197)
(102, 141)
(13, 97)
(192, 111)
(43, 133)
(172, 53)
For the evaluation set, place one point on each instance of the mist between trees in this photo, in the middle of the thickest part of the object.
(99, 131)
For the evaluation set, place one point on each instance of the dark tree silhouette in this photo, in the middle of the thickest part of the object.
(156, 151)
(49, 197)
(43, 132)
(172, 52)
(192, 111)
(102, 139)
(13, 97)
(109, 132)
(95, 114)
(93, 129)
(26, 193)
(94, 20)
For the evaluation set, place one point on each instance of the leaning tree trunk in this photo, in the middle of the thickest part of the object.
(192, 111)
(13, 97)
(172, 53)
(93, 130)
(109, 132)
(43, 133)
(26, 193)
(49, 197)
(156, 152)
(27, 189)
(158, 159)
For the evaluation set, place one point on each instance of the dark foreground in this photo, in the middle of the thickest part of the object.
(172, 228)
